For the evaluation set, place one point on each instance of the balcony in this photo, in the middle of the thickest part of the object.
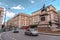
(55, 19)
(44, 13)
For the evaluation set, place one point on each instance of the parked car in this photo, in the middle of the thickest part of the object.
(31, 32)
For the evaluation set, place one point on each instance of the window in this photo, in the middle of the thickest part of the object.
(0, 12)
(42, 18)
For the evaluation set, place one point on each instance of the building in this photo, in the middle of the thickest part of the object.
(58, 17)
(19, 20)
(35, 17)
(1, 16)
(45, 17)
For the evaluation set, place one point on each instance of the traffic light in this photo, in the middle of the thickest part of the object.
(50, 23)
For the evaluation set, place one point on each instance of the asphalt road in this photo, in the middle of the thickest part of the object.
(21, 36)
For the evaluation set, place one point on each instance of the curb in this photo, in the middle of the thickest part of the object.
(52, 34)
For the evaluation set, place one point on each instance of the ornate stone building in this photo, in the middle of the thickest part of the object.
(47, 17)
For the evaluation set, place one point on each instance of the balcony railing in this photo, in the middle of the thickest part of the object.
(44, 13)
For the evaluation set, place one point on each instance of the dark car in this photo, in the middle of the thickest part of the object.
(16, 30)
(31, 32)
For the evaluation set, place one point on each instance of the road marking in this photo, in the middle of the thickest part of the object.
(0, 36)
(11, 37)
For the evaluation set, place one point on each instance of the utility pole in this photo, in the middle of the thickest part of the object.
(5, 16)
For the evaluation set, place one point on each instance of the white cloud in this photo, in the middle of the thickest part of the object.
(4, 9)
(18, 7)
(8, 14)
(32, 1)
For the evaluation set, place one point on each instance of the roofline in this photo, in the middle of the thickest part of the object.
(52, 6)
(45, 7)
(17, 15)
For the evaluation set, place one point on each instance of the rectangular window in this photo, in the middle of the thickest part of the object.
(42, 18)
(0, 12)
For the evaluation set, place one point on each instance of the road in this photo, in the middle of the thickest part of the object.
(20, 36)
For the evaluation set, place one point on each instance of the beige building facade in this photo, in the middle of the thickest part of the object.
(59, 17)
(46, 16)
(19, 20)
(41, 17)
(1, 16)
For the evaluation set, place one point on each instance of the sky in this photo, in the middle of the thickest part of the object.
(13, 7)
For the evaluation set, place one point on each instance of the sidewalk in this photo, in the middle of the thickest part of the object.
(0, 36)
(52, 34)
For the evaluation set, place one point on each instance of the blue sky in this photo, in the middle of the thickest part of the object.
(13, 7)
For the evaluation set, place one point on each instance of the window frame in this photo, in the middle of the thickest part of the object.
(43, 18)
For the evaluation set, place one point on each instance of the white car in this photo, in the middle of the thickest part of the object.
(31, 32)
